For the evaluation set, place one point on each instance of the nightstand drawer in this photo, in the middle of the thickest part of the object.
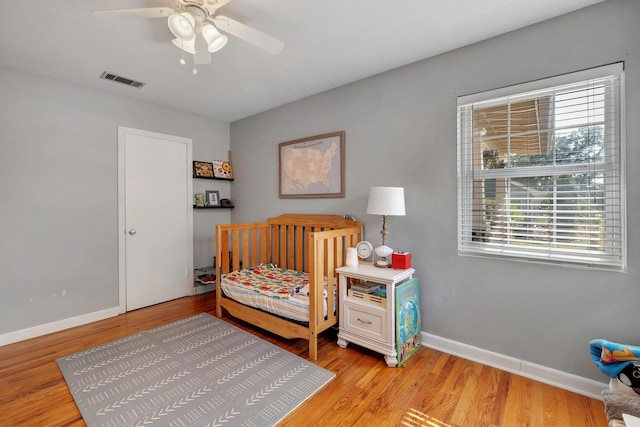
(365, 321)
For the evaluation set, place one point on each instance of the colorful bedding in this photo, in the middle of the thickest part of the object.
(275, 290)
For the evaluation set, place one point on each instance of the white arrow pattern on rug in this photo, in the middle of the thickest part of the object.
(143, 392)
(113, 360)
(115, 405)
(203, 342)
(247, 367)
(185, 333)
(228, 416)
(274, 385)
(124, 374)
(150, 419)
(225, 354)
(102, 347)
(181, 321)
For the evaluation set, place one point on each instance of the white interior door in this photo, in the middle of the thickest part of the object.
(156, 218)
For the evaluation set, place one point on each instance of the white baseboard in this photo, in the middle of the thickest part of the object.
(56, 326)
(544, 374)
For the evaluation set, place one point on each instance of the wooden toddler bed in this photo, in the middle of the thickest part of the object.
(305, 243)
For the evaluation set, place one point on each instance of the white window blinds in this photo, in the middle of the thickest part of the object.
(540, 171)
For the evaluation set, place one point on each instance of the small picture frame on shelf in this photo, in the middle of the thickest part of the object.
(222, 169)
(202, 170)
(213, 198)
(199, 201)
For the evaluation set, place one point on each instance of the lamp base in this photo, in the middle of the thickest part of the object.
(383, 263)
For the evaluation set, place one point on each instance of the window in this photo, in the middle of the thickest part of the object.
(540, 171)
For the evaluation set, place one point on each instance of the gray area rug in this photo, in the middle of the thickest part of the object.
(199, 371)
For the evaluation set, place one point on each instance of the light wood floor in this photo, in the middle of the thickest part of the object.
(433, 389)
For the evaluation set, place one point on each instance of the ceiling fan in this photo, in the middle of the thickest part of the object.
(196, 27)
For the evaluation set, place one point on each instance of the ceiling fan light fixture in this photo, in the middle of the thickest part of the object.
(215, 40)
(188, 45)
(182, 25)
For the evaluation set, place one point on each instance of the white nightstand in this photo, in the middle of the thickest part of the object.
(367, 320)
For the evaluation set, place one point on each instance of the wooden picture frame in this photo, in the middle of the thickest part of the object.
(213, 198)
(325, 179)
(202, 169)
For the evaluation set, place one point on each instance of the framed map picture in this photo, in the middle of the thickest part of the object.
(312, 167)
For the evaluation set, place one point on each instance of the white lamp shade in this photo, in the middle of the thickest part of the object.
(386, 201)
(182, 25)
(188, 46)
(215, 40)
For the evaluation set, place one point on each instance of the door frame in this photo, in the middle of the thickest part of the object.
(122, 132)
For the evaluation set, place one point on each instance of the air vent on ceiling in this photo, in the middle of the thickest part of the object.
(116, 78)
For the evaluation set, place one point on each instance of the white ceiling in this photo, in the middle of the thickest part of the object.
(327, 44)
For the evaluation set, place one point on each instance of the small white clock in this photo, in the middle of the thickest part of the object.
(364, 249)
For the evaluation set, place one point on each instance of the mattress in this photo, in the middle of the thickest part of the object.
(279, 291)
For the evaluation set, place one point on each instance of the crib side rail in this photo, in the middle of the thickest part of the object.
(326, 250)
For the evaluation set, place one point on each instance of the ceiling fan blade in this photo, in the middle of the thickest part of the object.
(202, 55)
(213, 5)
(145, 12)
(248, 34)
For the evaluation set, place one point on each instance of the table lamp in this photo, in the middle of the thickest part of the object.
(385, 201)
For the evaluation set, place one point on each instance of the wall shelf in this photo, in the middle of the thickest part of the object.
(213, 207)
(213, 177)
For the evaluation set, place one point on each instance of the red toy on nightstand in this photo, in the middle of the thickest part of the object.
(401, 260)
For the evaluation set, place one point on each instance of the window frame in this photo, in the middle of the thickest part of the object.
(469, 175)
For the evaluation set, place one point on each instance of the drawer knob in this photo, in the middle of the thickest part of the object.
(368, 322)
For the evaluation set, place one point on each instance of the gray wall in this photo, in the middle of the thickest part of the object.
(58, 192)
(401, 131)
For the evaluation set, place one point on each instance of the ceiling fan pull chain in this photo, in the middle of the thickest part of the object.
(182, 61)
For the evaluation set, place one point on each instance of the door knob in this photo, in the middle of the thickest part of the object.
(132, 231)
